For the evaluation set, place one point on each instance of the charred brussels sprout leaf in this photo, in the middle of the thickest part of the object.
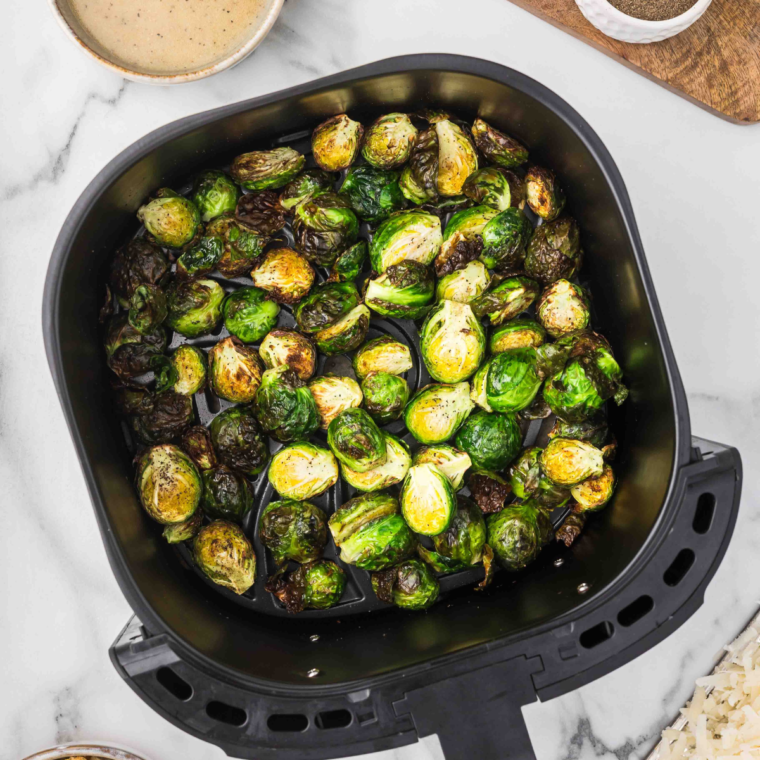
(225, 556)
(489, 491)
(513, 380)
(334, 395)
(147, 309)
(317, 585)
(593, 493)
(336, 143)
(497, 147)
(285, 275)
(570, 529)
(356, 440)
(293, 530)
(265, 169)
(529, 482)
(404, 291)
(171, 219)
(195, 307)
(436, 412)
(594, 430)
(261, 212)
(346, 334)
(517, 534)
(518, 333)
(464, 285)
(419, 179)
(508, 299)
(326, 305)
(196, 443)
(323, 227)
(489, 187)
(382, 354)
(302, 471)
(405, 236)
(139, 262)
(554, 252)
(184, 531)
(164, 419)
(350, 263)
(305, 186)
(249, 315)
(389, 141)
(491, 439)
(226, 494)
(567, 462)
(428, 500)
(505, 238)
(563, 308)
(200, 258)
(397, 463)
(544, 195)
(291, 349)
(234, 371)
(190, 365)
(169, 484)
(452, 462)
(457, 158)
(411, 586)
(214, 193)
(242, 245)
(385, 396)
(129, 353)
(372, 193)
(285, 407)
(238, 441)
(462, 241)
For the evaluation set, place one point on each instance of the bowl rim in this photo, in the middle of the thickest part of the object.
(234, 58)
(690, 15)
(94, 749)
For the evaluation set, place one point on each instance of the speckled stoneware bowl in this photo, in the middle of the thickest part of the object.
(84, 41)
(618, 25)
(89, 749)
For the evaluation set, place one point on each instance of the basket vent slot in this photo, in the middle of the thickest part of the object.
(635, 611)
(679, 567)
(333, 719)
(597, 635)
(287, 723)
(224, 713)
(704, 513)
(175, 685)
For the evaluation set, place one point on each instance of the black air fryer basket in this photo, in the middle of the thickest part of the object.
(260, 684)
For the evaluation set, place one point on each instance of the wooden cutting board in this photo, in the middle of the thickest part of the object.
(715, 63)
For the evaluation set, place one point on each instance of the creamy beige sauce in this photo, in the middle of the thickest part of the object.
(169, 36)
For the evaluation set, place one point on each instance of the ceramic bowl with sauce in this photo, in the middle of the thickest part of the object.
(167, 41)
(89, 751)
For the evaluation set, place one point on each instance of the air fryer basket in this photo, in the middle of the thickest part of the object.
(260, 684)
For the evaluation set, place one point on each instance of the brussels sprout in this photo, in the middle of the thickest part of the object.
(350, 263)
(293, 530)
(264, 169)
(184, 531)
(428, 500)
(452, 462)
(318, 586)
(452, 342)
(491, 439)
(262, 212)
(404, 291)
(397, 464)
(491, 187)
(172, 220)
(238, 440)
(195, 307)
(147, 309)
(385, 396)
(405, 236)
(370, 532)
(508, 299)
(505, 239)
(225, 556)
(214, 193)
(285, 407)
(305, 186)
(518, 333)
(188, 370)
(355, 439)
(164, 418)
(336, 143)
(513, 380)
(572, 393)
(436, 412)
(594, 493)
(389, 141)
(291, 349)
(249, 315)
(528, 482)
(139, 262)
(326, 305)
(544, 195)
(242, 245)
(563, 308)
(382, 354)
(411, 586)
(554, 252)
(570, 529)
(462, 242)
(302, 471)
(567, 462)
(129, 353)
(346, 334)
(226, 494)
(489, 491)
(201, 258)
(285, 275)
(517, 534)
(372, 193)
(457, 158)
(464, 285)
(479, 390)
(168, 483)
(498, 147)
(594, 430)
(334, 395)
(323, 227)
(196, 443)
(234, 371)
(419, 179)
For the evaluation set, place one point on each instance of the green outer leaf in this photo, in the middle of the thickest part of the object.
(491, 439)
(249, 315)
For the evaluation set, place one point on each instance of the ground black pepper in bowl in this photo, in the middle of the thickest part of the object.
(653, 10)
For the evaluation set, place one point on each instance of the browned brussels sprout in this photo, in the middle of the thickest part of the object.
(382, 354)
(267, 169)
(286, 275)
(489, 491)
(139, 262)
(196, 442)
(223, 553)
(326, 306)
(195, 307)
(567, 462)
(594, 429)
(490, 187)
(334, 395)
(347, 334)
(570, 529)
(563, 308)
(305, 186)
(544, 195)
(285, 407)
(165, 419)
(242, 245)
(226, 494)
(261, 212)
(517, 534)
(385, 396)
(505, 238)
(191, 367)
(389, 141)
(594, 493)
(529, 482)
(350, 263)
(356, 440)
(508, 299)
(498, 147)
(201, 258)
(405, 291)
(315, 586)
(214, 193)
(184, 531)
(238, 441)
(419, 179)
(129, 353)
(323, 227)
(293, 530)
(462, 241)
(457, 158)
(336, 143)
(302, 470)
(411, 585)
(172, 220)
(234, 371)
(291, 348)
(517, 333)
(373, 194)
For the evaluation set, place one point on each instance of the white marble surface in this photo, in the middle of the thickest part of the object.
(693, 181)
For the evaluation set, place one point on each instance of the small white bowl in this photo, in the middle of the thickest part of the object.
(74, 30)
(618, 25)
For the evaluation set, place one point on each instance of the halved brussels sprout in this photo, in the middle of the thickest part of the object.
(462, 242)
(594, 493)
(334, 395)
(172, 220)
(262, 212)
(226, 494)
(505, 240)
(489, 491)
(498, 147)
(517, 534)
(129, 353)
(372, 193)
(411, 586)
(249, 314)
(234, 371)
(544, 195)
(359, 512)
(190, 365)
(336, 143)
(478, 392)
(389, 141)
(302, 471)
(225, 556)
(346, 334)
(349, 264)
(184, 531)
(201, 258)
(285, 407)
(289, 348)
(323, 227)
(383, 354)
(528, 482)
(385, 396)
(196, 443)
(239, 441)
(214, 193)
(452, 462)
(355, 439)
(195, 307)
(147, 309)
(428, 500)
(285, 275)
(242, 245)
(405, 236)
(508, 299)
(594, 429)
(464, 285)
(293, 530)
(163, 418)
(139, 262)
(517, 333)
(169, 484)
(436, 412)
(397, 464)
(554, 252)
(419, 179)
(490, 187)
(491, 439)
(404, 291)
(513, 380)
(326, 305)
(563, 308)
(457, 158)
(263, 169)
(452, 342)
(317, 586)
(567, 462)
(305, 186)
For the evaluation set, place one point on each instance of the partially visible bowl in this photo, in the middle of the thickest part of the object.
(93, 750)
(74, 29)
